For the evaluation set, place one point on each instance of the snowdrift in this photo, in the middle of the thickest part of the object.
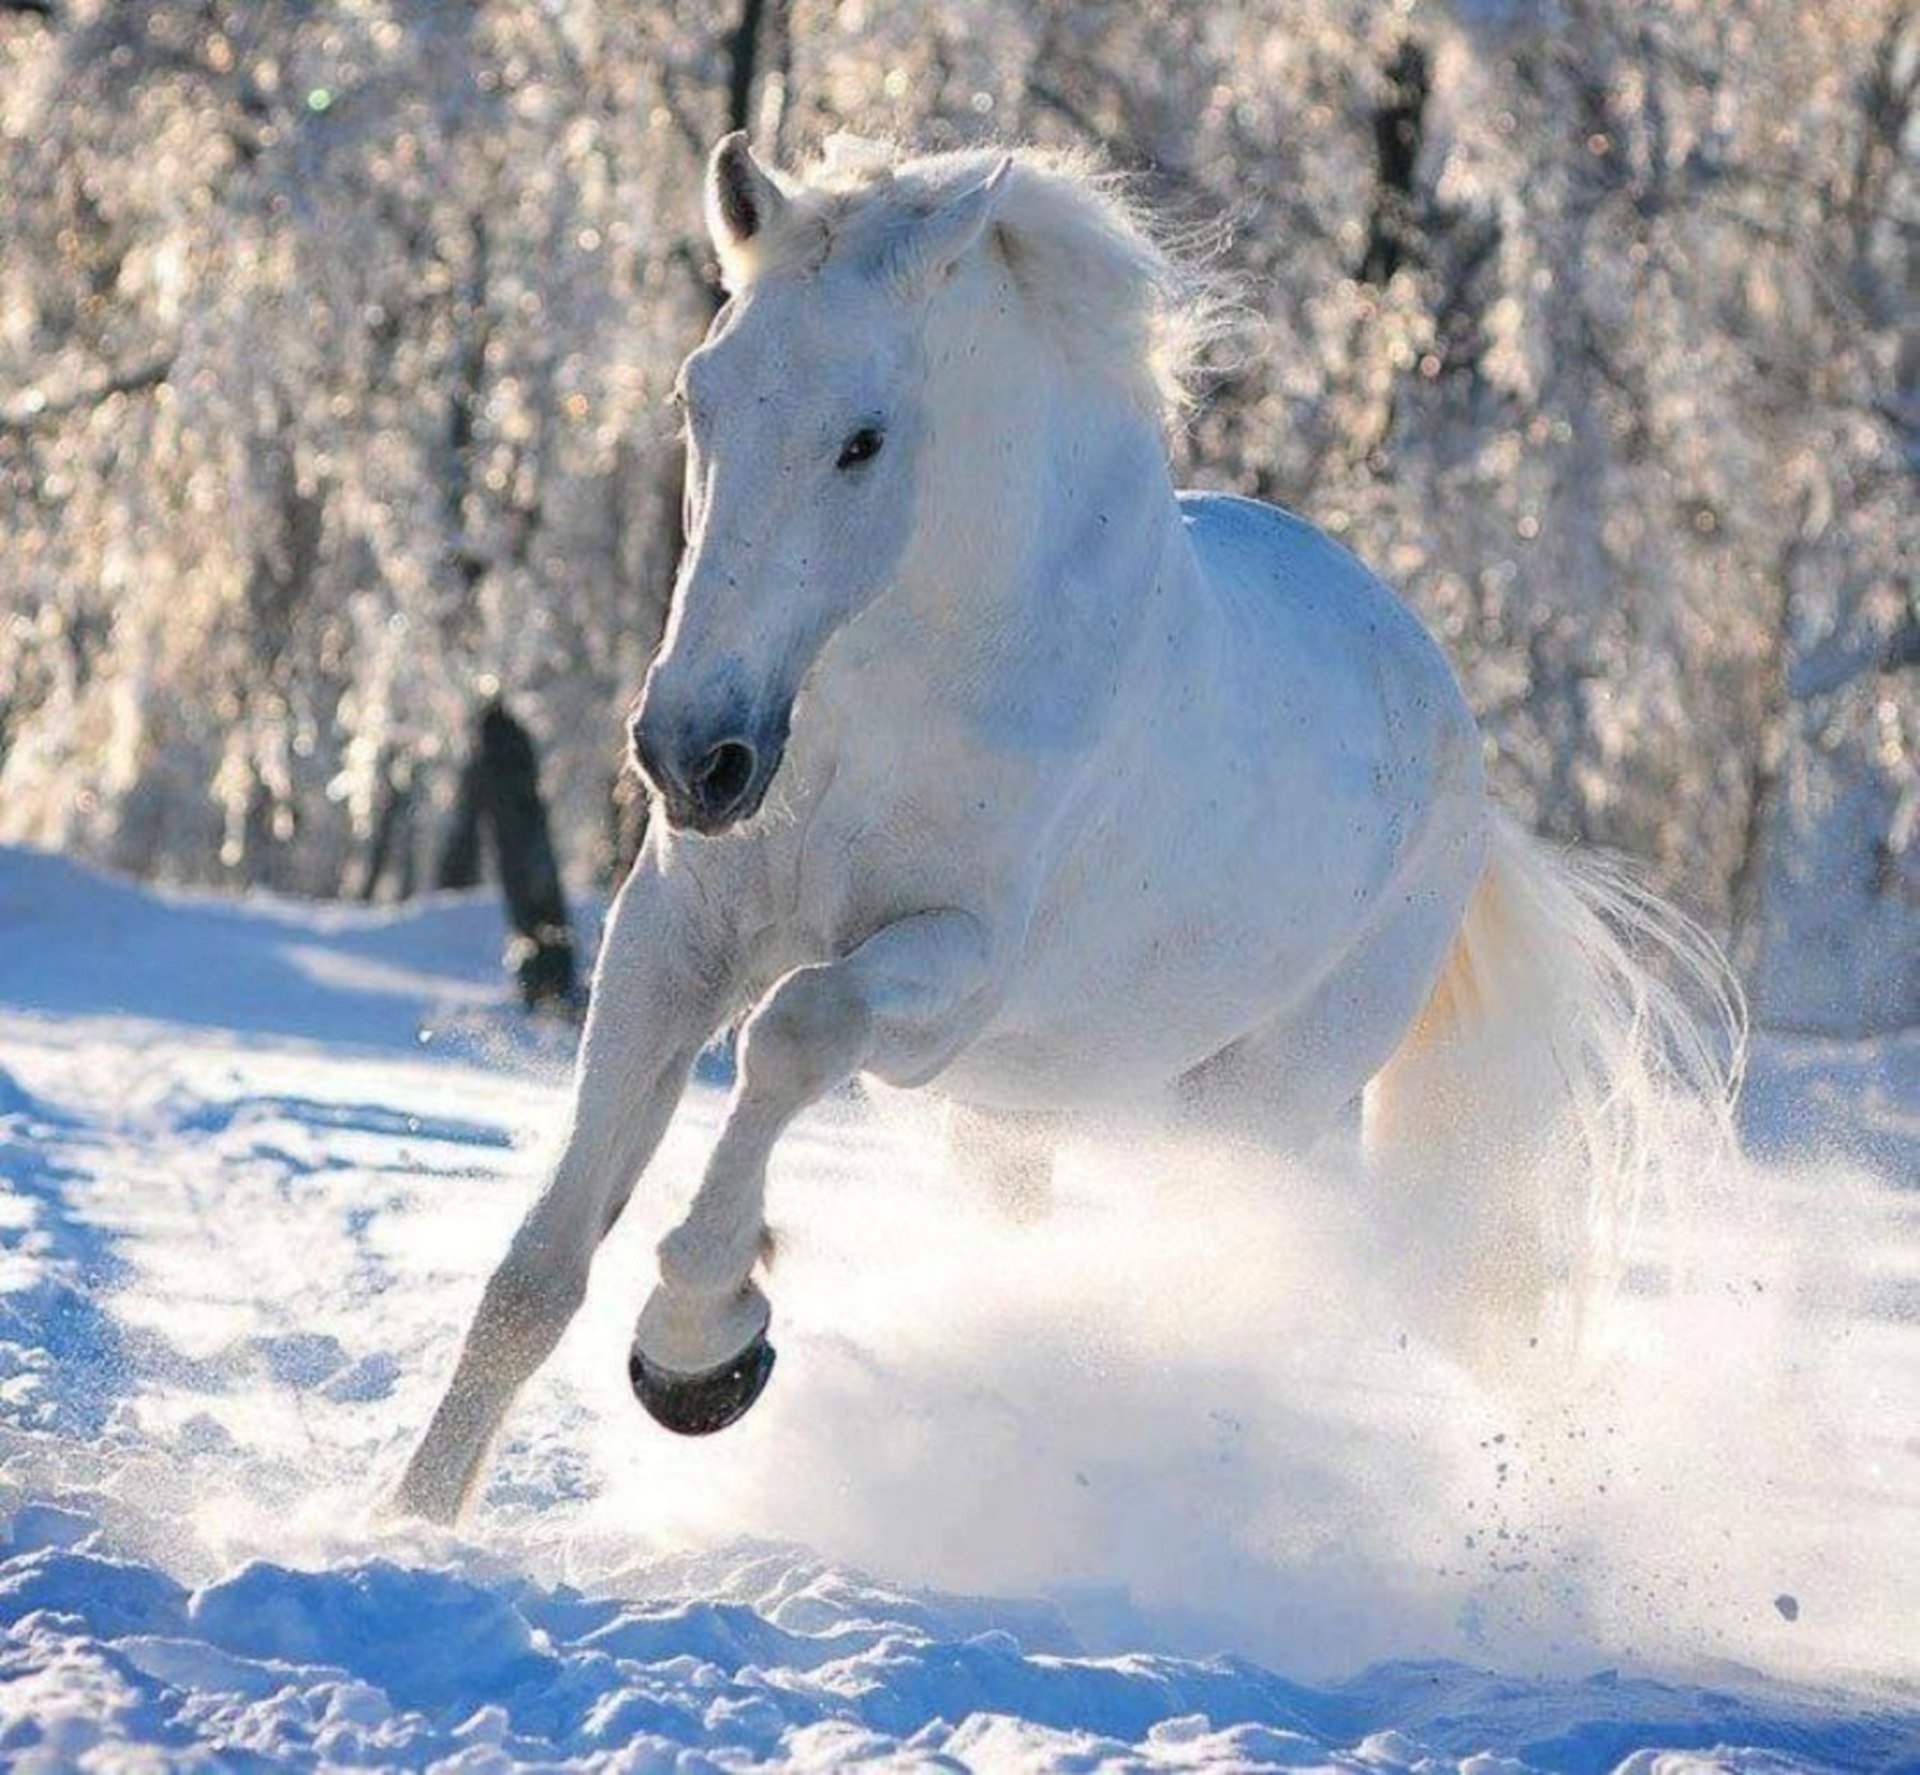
(1073, 1495)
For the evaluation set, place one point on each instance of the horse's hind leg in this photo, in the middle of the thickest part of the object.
(1298, 1079)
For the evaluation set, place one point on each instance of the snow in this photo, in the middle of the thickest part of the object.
(1169, 1480)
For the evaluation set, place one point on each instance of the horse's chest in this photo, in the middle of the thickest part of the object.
(886, 840)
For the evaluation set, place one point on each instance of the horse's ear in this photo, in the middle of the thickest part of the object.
(936, 243)
(742, 201)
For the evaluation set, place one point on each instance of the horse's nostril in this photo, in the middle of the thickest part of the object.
(725, 774)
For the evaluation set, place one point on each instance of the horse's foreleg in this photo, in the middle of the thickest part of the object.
(899, 1005)
(652, 1010)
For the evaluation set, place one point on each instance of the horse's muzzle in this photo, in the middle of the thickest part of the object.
(709, 783)
(699, 1404)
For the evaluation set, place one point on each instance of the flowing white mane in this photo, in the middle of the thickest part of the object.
(1111, 295)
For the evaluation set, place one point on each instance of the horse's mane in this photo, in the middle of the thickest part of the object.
(1113, 296)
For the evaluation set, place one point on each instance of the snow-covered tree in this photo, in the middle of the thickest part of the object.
(333, 338)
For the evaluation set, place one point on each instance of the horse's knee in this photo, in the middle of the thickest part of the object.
(805, 1038)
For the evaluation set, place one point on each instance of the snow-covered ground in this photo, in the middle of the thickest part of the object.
(1163, 1481)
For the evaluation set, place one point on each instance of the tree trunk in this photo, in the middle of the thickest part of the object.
(499, 797)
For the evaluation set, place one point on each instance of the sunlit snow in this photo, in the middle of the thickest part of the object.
(1169, 1479)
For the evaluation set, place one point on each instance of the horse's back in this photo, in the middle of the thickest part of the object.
(1344, 689)
(1298, 785)
(1319, 605)
(1349, 702)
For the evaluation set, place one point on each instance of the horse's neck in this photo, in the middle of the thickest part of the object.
(1045, 571)
(1029, 611)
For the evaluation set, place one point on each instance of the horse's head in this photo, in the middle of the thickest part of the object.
(804, 426)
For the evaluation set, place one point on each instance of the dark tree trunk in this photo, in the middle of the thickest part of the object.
(743, 62)
(1393, 230)
(391, 848)
(500, 796)
(458, 864)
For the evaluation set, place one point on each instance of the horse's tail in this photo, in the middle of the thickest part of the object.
(1557, 1071)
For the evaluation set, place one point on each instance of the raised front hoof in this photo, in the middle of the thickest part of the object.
(699, 1404)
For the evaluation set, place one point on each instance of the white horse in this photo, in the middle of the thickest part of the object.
(985, 762)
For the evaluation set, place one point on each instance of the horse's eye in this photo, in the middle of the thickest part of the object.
(863, 446)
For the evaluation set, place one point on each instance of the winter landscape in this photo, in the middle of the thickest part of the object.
(340, 505)
(260, 1156)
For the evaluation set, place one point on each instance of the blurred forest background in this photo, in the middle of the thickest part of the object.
(334, 341)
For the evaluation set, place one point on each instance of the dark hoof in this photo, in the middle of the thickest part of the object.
(699, 1404)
